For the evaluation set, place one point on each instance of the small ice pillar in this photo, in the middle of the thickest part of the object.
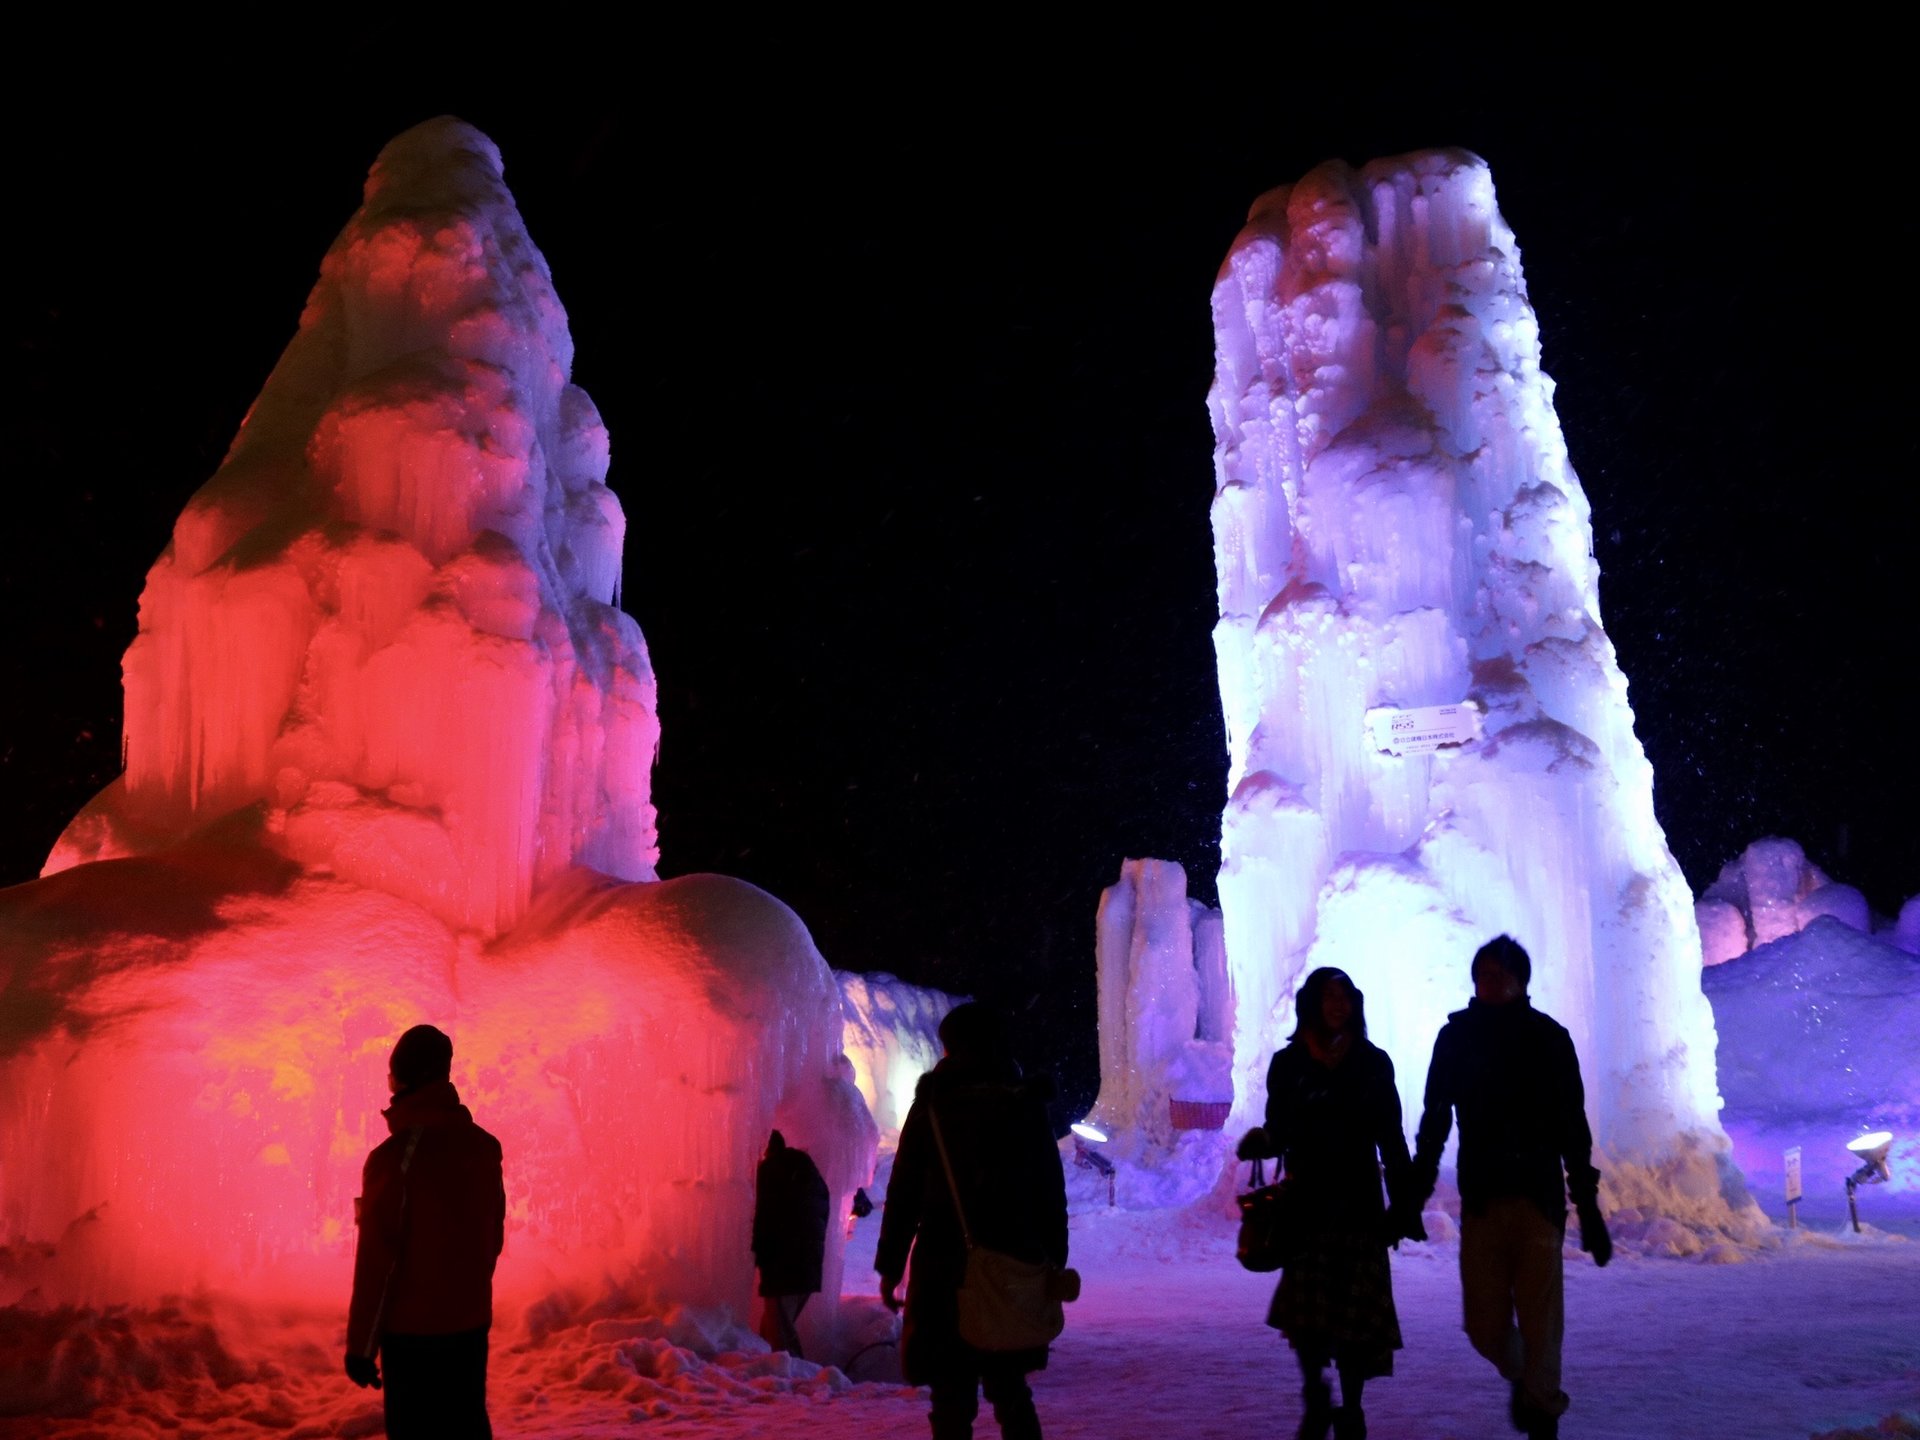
(1164, 1007)
(1396, 525)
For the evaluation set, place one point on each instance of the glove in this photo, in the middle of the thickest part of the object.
(1254, 1145)
(890, 1292)
(362, 1371)
(1408, 1224)
(1594, 1238)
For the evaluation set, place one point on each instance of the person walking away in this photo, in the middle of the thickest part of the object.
(790, 1211)
(1007, 1170)
(1511, 1075)
(431, 1215)
(1333, 1116)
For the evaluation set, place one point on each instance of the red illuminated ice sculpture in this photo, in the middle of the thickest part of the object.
(388, 750)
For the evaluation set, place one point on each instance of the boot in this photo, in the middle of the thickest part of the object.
(1317, 1396)
(1350, 1421)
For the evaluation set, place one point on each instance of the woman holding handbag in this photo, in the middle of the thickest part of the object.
(1333, 1116)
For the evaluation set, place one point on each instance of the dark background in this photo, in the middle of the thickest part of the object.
(906, 385)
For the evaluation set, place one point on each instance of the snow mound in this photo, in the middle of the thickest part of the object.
(1818, 1032)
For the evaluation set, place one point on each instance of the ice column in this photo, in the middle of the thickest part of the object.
(389, 619)
(1165, 1009)
(1396, 525)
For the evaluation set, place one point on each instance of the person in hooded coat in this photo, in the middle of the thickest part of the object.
(432, 1217)
(1007, 1169)
(790, 1212)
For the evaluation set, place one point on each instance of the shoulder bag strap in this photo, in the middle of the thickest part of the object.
(946, 1164)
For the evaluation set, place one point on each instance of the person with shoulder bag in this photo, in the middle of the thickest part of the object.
(978, 1197)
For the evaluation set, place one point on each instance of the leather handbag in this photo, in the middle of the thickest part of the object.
(1269, 1223)
(1006, 1303)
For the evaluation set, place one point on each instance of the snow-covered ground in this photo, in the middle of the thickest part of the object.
(1814, 1338)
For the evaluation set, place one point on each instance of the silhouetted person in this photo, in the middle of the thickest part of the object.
(431, 1213)
(1008, 1172)
(1511, 1075)
(790, 1211)
(1333, 1115)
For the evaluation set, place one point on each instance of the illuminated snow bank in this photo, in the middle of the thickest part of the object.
(1818, 1032)
(390, 615)
(389, 746)
(1396, 527)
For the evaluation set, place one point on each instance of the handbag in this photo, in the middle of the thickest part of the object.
(1269, 1223)
(1005, 1303)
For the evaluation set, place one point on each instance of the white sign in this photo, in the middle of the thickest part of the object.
(1422, 731)
(1793, 1174)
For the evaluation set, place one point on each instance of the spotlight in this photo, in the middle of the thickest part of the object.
(1092, 1159)
(1872, 1150)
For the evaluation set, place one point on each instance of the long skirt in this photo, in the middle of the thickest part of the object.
(1336, 1300)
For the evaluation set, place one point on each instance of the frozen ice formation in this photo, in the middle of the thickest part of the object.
(891, 1033)
(1770, 891)
(1396, 527)
(390, 618)
(388, 757)
(1165, 1006)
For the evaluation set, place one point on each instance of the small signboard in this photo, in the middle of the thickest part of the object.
(1793, 1188)
(1422, 731)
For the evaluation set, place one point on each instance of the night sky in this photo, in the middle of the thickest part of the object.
(907, 401)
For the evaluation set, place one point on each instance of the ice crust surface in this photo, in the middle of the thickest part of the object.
(1397, 524)
(389, 743)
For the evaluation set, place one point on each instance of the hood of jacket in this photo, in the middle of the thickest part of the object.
(435, 1103)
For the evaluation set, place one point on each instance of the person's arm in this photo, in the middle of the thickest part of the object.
(376, 1254)
(1436, 1122)
(1278, 1126)
(1053, 1181)
(900, 1217)
(1575, 1141)
(1390, 1139)
(497, 1204)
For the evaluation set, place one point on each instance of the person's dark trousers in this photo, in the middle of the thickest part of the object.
(436, 1386)
(956, 1397)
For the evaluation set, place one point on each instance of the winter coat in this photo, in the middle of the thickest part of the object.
(1511, 1074)
(432, 1213)
(790, 1212)
(1008, 1171)
(1329, 1123)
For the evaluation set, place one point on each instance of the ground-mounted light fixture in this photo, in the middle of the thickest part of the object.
(1087, 1159)
(1872, 1150)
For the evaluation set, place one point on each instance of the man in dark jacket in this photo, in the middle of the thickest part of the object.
(1511, 1074)
(790, 1212)
(432, 1213)
(1007, 1170)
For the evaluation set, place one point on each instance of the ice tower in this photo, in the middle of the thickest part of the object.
(389, 741)
(390, 615)
(1396, 526)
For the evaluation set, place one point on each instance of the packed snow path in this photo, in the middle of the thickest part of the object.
(1814, 1338)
